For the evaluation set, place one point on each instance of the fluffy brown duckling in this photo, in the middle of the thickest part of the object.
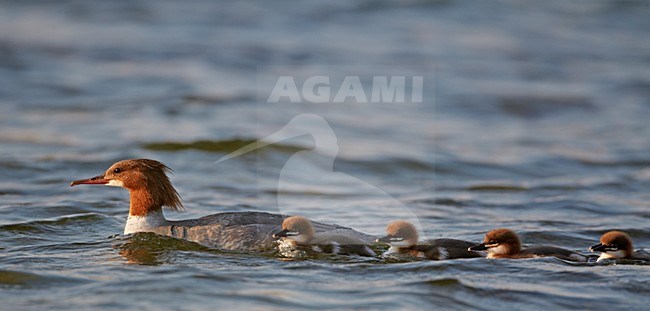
(300, 231)
(504, 243)
(403, 238)
(617, 245)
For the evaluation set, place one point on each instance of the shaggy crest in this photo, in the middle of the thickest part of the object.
(147, 182)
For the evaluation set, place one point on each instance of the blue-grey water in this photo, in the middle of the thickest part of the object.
(534, 117)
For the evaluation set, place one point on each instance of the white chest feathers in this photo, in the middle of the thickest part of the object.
(144, 223)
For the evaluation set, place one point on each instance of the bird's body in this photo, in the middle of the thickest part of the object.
(150, 190)
(246, 231)
(504, 243)
(302, 233)
(550, 251)
(402, 237)
(617, 245)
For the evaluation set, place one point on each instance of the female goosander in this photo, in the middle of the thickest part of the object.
(300, 231)
(617, 245)
(504, 243)
(403, 239)
(150, 190)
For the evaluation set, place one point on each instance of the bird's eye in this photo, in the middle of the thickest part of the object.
(117, 170)
(493, 242)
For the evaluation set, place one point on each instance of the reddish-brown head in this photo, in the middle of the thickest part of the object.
(400, 233)
(614, 244)
(499, 242)
(145, 179)
(296, 228)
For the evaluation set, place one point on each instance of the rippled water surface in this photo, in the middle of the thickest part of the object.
(535, 117)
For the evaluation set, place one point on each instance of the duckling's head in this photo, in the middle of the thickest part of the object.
(614, 245)
(296, 228)
(400, 233)
(146, 180)
(499, 242)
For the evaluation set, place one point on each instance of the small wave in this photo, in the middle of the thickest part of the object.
(632, 163)
(444, 282)
(496, 187)
(633, 262)
(221, 146)
(385, 165)
(19, 279)
(46, 226)
(217, 99)
(533, 106)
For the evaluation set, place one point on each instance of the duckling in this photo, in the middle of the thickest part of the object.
(617, 245)
(403, 237)
(504, 243)
(300, 232)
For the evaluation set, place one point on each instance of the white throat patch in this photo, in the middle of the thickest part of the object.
(612, 255)
(402, 243)
(300, 238)
(396, 247)
(115, 183)
(499, 250)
